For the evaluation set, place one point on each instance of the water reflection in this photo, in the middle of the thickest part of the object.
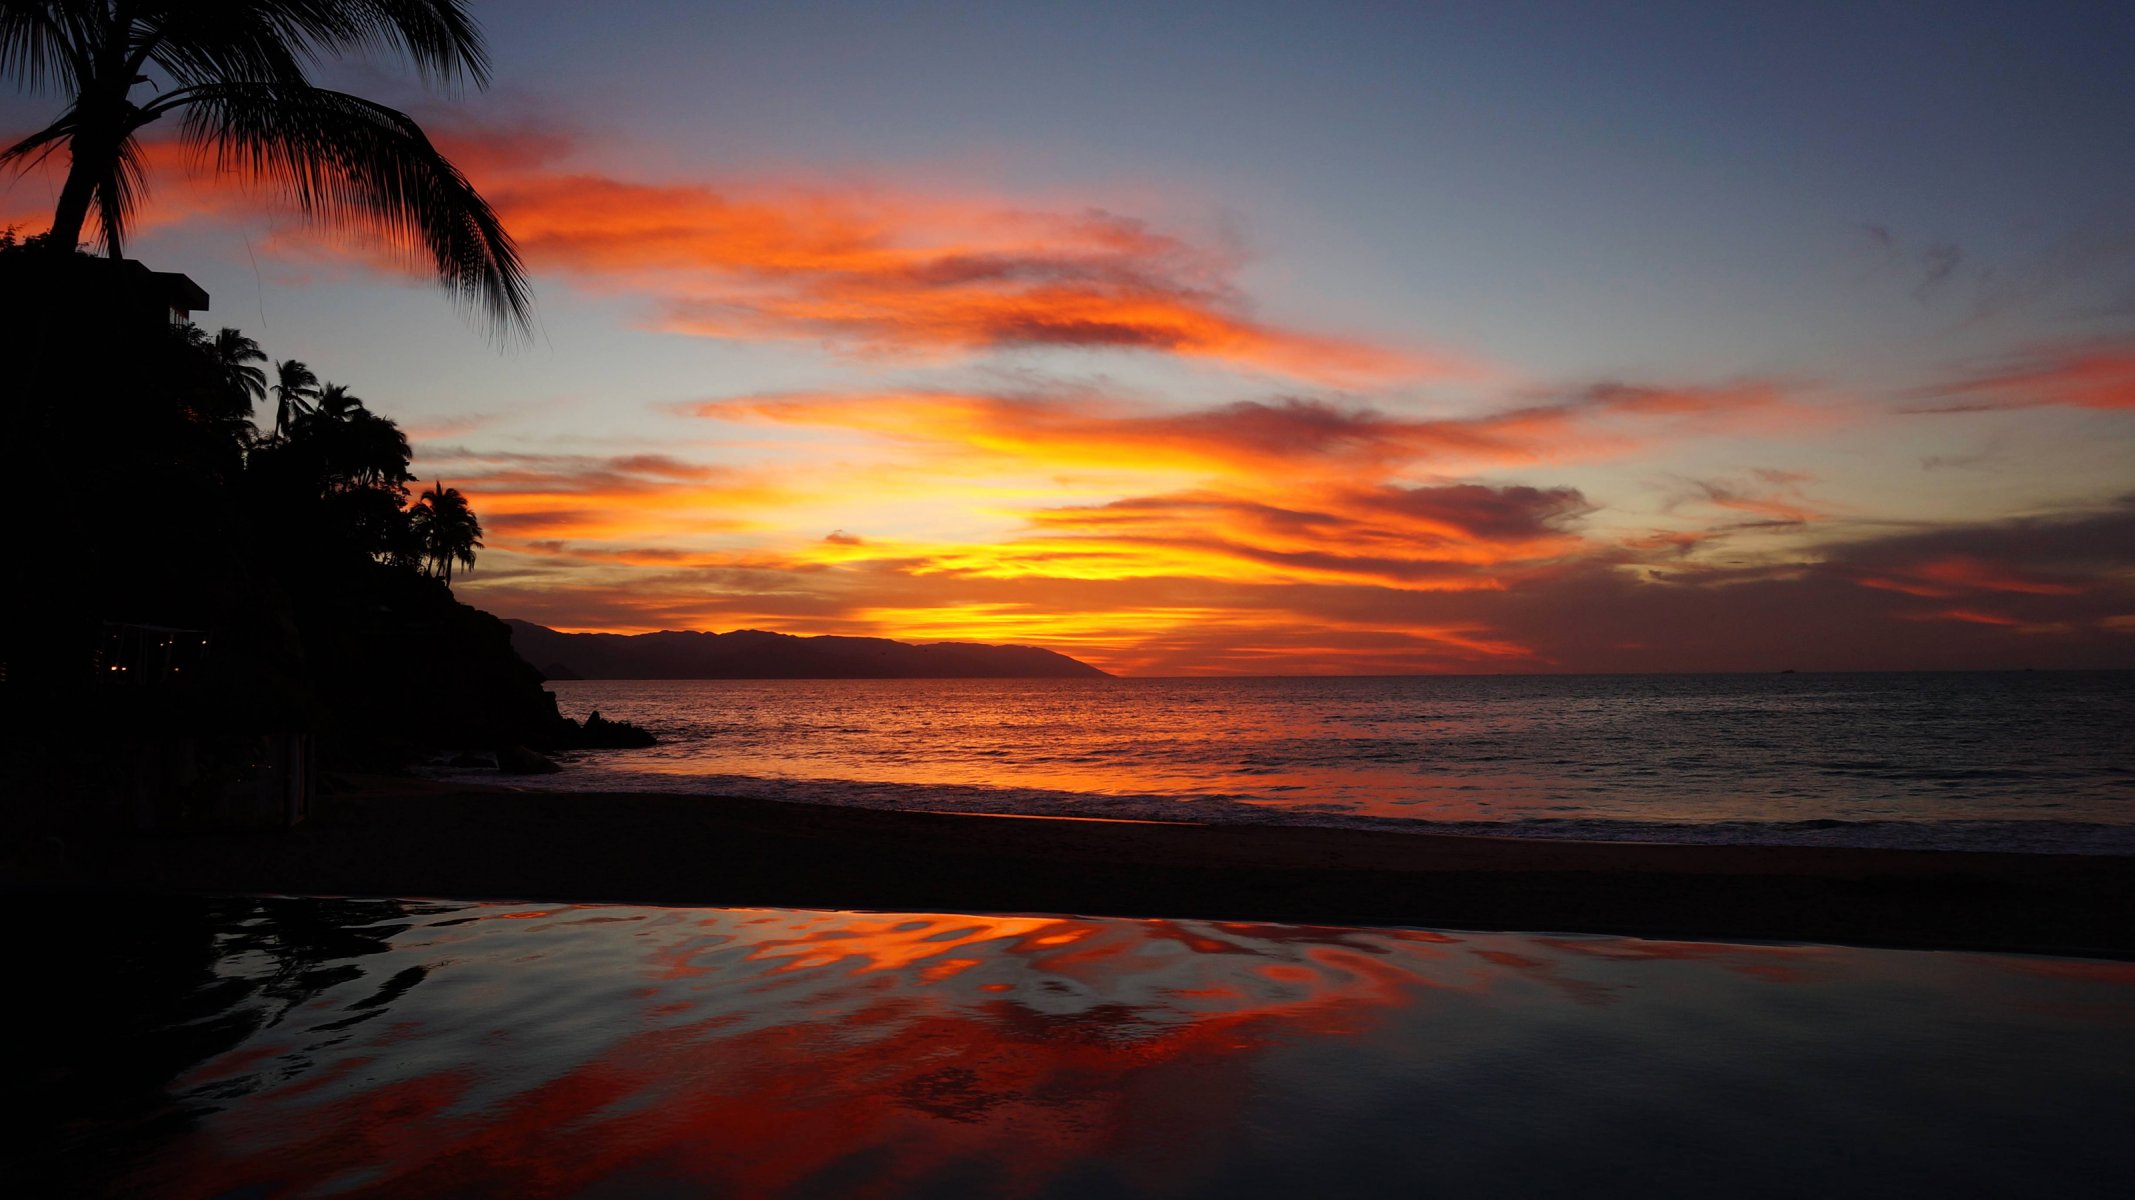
(382, 1048)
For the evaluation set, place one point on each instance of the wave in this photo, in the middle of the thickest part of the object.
(2028, 836)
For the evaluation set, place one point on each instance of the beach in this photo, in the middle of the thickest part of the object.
(431, 839)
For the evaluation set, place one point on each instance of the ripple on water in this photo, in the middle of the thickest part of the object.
(396, 1049)
(1906, 760)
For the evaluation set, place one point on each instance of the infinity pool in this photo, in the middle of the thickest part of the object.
(393, 1048)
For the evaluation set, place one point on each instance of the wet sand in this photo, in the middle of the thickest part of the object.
(419, 839)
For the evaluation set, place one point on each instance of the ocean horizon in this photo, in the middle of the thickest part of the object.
(2032, 761)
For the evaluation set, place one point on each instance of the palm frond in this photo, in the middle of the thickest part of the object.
(41, 41)
(118, 195)
(237, 70)
(438, 36)
(235, 353)
(41, 143)
(197, 43)
(350, 163)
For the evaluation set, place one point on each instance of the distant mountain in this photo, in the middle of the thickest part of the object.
(754, 654)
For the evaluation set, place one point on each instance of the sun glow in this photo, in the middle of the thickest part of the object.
(1046, 420)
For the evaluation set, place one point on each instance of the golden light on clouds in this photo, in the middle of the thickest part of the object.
(972, 455)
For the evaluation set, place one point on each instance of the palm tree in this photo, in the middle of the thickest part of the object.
(294, 387)
(235, 72)
(234, 354)
(236, 383)
(243, 384)
(336, 403)
(371, 452)
(356, 447)
(446, 529)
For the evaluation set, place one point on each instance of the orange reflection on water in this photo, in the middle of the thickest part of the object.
(1004, 738)
(774, 1050)
(763, 1053)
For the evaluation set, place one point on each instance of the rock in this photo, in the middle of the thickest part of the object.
(600, 733)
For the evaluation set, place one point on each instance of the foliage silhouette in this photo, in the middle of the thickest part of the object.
(228, 406)
(446, 530)
(294, 388)
(235, 74)
(234, 354)
(293, 556)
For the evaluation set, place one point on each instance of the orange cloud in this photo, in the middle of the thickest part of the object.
(1433, 538)
(1259, 536)
(529, 498)
(1201, 582)
(1279, 533)
(1956, 574)
(894, 274)
(2100, 376)
(1455, 537)
(183, 188)
(1783, 506)
(1965, 572)
(874, 271)
(1081, 429)
(1204, 582)
(1969, 615)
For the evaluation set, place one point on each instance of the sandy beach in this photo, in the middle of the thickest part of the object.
(414, 838)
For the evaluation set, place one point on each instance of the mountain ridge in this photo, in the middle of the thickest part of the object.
(761, 654)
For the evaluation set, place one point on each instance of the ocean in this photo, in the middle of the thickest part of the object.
(2024, 761)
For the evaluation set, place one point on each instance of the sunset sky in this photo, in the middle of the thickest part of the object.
(1269, 338)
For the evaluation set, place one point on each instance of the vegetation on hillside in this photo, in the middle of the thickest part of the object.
(167, 500)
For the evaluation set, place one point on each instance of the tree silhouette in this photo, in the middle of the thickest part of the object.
(239, 385)
(234, 354)
(446, 530)
(336, 403)
(356, 447)
(294, 387)
(335, 480)
(235, 71)
(221, 383)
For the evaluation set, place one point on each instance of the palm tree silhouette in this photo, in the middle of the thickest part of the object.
(356, 447)
(354, 463)
(237, 384)
(234, 354)
(446, 529)
(236, 72)
(294, 387)
(335, 402)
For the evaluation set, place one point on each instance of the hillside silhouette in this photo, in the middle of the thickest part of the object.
(755, 654)
(204, 615)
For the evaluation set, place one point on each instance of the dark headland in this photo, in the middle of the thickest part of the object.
(754, 654)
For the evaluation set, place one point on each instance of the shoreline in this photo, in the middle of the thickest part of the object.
(417, 838)
(2028, 834)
